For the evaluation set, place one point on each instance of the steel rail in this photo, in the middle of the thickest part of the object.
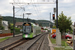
(40, 44)
(35, 42)
(14, 44)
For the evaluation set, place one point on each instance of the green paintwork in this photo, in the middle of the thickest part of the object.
(29, 35)
(32, 34)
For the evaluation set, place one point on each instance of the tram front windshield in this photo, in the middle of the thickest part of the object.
(26, 29)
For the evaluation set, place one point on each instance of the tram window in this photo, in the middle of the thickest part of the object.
(28, 29)
(24, 29)
(31, 29)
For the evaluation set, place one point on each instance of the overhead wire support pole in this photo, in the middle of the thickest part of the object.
(56, 13)
(74, 37)
(23, 17)
(13, 21)
(50, 16)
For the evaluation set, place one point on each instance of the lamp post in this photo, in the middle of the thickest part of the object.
(13, 21)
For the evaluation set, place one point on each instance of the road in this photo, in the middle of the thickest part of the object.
(74, 40)
(72, 36)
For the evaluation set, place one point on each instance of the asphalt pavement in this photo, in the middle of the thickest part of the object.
(72, 36)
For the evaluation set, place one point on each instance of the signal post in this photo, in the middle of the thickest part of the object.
(74, 37)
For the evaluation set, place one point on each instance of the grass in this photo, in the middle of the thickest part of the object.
(63, 42)
(53, 40)
(4, 39)
(65, 46)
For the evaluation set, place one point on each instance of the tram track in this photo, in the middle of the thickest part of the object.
(38, 43)
(14, 44)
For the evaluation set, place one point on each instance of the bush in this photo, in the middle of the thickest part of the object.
(67, 30)
(11, 28)
(54, 27)
(45, 29)
(2, 28)
(71, 31)
(17, 30)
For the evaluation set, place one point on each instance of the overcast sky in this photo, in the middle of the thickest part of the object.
(38, 11)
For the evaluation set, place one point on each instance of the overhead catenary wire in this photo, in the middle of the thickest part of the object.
(37, 11)
(23, 8)
(20, 9)
(13, 1)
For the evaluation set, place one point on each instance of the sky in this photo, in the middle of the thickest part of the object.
(38, 11)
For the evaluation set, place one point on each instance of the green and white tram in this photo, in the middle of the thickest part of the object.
(30, 30)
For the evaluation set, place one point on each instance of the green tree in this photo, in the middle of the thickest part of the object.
(54, 27)
(64, 22)
(1, 27)
(1, 21)
(40, 24)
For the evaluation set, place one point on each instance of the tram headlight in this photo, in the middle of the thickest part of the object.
(26, 36)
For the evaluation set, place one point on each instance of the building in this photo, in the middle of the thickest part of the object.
(18, 24)
(5, 25)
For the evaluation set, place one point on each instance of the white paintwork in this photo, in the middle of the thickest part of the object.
(5, 24)
(35, 28)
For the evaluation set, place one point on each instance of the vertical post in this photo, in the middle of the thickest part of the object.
(57, 13)
(73, 37)
(0, 22)
(58, 35)
(50, 16)
(27, 20)
(50, 19)
(23, 17)
(13, 21)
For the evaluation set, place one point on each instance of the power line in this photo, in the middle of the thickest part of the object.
(36, 11)
(13, 1)
(38, 8)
